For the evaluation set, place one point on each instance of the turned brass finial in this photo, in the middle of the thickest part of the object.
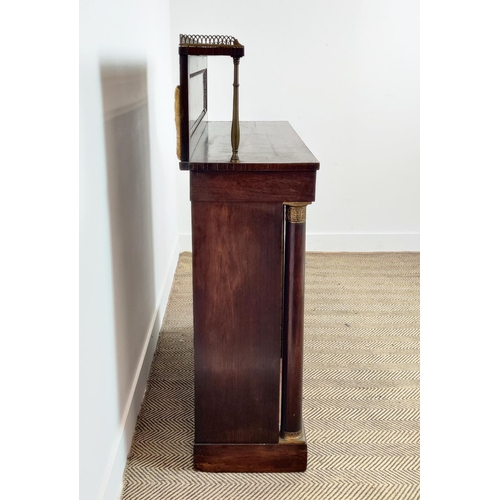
(235, 127)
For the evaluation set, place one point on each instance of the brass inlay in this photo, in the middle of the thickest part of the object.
(290, 437)
(296, 212)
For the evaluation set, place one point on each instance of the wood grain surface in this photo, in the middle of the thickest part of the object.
(237, 294)
(212, 51)
(251, 458)
(253, 186)
(264, 146)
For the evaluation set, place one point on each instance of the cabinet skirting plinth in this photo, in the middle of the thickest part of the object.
(284, 456)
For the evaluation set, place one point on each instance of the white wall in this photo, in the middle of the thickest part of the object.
(345, 74)
(128, 227)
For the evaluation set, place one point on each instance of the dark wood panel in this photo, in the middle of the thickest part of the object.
(213, 51)
(192, 124)
(252, 186)
(237, 273)
(293, 327)
(251, 458)
(184, 106)
(264, 146)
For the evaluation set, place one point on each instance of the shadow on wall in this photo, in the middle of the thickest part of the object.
(126, 125)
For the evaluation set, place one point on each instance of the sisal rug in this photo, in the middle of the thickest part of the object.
(361, 391)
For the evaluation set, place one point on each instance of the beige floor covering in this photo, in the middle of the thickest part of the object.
(361, 391)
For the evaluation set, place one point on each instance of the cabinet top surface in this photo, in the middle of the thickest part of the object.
(264, 146)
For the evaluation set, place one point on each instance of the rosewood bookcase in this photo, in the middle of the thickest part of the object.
(250, 183)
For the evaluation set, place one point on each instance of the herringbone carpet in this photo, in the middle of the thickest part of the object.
(361, 392)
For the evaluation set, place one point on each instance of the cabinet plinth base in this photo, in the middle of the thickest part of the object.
(280, 457)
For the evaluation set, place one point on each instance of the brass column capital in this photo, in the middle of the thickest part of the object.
(296, 212)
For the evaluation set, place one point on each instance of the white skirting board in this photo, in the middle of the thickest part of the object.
(112, 482)
(347, 242)
(363, 242)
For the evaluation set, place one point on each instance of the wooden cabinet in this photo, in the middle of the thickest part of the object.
(248, 227)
